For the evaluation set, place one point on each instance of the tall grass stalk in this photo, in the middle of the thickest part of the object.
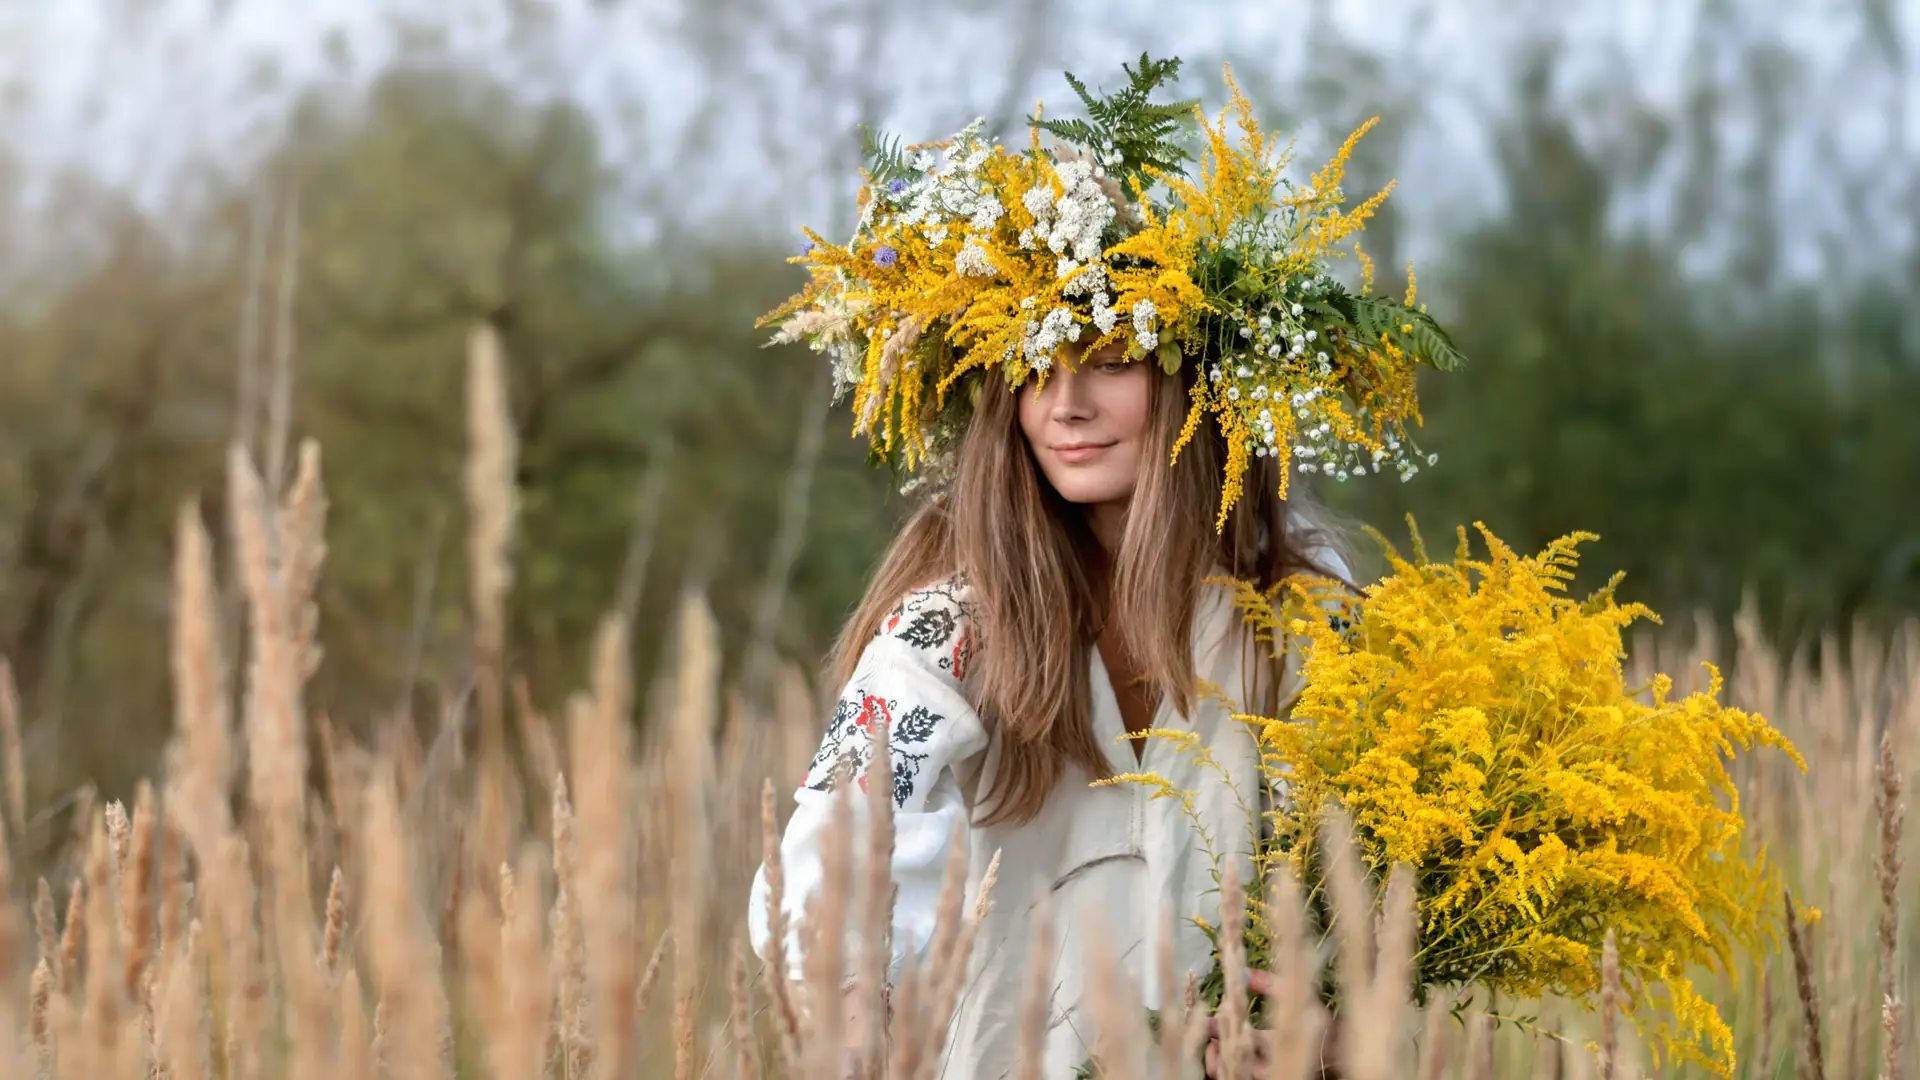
(292, 895)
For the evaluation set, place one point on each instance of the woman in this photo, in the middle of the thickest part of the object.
(1056, 595)
(1057, 598)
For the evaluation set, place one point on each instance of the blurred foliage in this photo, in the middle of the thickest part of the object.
(1722, 443)
(1721, 431)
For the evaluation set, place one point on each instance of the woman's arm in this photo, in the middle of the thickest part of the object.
(907, 681)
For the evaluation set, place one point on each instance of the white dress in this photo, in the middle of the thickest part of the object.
(1106, 857)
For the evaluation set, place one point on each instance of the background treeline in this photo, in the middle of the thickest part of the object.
(1684, 286)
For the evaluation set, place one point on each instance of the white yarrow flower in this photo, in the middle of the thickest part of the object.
(1143, 313)
(1048, 334)
(973, 261)
(1039, 202)
(1092, 278)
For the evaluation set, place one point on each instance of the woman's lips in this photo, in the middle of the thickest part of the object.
(1080, 452)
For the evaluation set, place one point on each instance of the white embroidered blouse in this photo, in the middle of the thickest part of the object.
(1108, 859)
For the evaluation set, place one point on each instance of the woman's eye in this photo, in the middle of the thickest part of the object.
(1113, 367)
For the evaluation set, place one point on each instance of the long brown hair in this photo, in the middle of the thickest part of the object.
(1029, 560)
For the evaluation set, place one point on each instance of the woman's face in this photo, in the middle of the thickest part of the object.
(1087, 426)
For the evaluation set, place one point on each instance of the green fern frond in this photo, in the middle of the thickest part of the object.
(884, 157)
(1129, 123)
(1377, 319)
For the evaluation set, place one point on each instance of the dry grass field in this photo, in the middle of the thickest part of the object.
(526, 889)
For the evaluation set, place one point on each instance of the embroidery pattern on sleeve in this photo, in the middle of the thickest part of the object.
(848, 747)
(928, 618)
(933, 621)
(937, 622)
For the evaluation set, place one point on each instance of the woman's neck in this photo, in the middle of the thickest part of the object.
(1108, 523)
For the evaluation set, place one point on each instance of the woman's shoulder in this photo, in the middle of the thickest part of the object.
(1319, 547)
(935, 623)
(1325, 560)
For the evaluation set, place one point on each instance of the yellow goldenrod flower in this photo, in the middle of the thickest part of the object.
(1475, 724)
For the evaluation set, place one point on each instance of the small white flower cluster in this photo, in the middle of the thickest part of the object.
(948, 191)
(1344, 460)
(1091, 280)
(948, 194)
(1046, 336)
(973, 261)
(1279, 346)
(1143, 331)
(1071, 226)
(1077, 219)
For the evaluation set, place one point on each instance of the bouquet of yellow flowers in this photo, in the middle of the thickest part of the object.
(1474, 723)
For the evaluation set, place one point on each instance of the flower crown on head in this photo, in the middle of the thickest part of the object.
(970, 258)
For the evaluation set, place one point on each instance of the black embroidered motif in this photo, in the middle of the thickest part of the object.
(837, 753)
(916, 726)
(934, 622)
(926, 618)
(930, 629)
(905, 772)
(847, 748)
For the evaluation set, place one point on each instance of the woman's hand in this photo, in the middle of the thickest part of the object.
(853, 1020)
(1261, 982)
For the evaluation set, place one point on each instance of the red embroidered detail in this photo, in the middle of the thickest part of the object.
(962, 654)
(892, 621)
(871, 706)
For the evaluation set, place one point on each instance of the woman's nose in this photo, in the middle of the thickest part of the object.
(1070, 398)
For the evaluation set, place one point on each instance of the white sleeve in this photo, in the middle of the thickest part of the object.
(908, 678)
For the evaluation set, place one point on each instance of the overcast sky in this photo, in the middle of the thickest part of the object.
(141, 92)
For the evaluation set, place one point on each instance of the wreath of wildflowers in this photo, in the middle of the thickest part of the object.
(971, 259)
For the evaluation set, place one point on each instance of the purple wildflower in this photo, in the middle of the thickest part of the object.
(884, 257)
(896, 185)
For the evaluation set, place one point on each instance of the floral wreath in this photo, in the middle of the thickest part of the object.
(969, 257)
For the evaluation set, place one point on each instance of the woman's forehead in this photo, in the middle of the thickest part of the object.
(1112, 350)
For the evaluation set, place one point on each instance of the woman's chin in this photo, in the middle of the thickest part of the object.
(1095, 494)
